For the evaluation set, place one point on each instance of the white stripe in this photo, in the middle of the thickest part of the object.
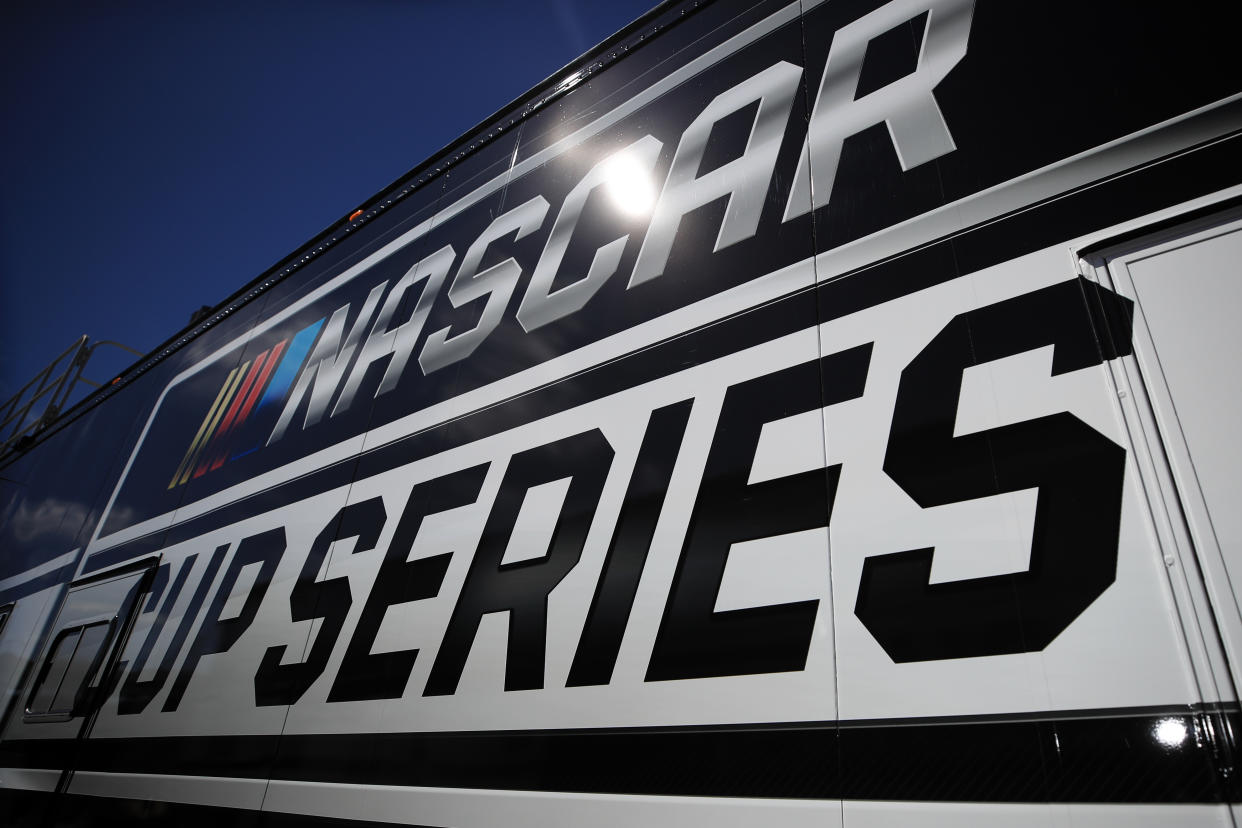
(225, 792)
(38, 571)
(28, 779)
(1034, 815)
(481, 808)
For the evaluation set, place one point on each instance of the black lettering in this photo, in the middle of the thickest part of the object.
(694, 641)
(136, 694)
(216, 635)
(277, 683)
(159, 583)
(1078, 472)
(522, 588)
(365, 675)
(600, 643)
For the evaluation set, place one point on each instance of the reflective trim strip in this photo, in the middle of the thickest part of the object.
(35, 572)
(29, 779)
(192, 790)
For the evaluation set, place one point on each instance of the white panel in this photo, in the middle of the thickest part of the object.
(1190, 297)
(777, 570)
(532, 531)
(969, 815)
(1105, 658)
(530, 809)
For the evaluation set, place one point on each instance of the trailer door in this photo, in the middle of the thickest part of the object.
(73, 672)
(1186, 282)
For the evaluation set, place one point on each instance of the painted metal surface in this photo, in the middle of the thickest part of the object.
(736, 437)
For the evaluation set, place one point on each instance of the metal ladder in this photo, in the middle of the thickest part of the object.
(40, 401)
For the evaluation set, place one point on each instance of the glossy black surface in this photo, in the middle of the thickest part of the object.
(1077, 756)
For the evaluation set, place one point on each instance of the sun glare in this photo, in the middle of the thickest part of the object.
(629, 185)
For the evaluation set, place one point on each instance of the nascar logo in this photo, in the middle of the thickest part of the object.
(342, 355)
(271, 375)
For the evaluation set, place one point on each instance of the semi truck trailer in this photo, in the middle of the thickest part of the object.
(814, 413)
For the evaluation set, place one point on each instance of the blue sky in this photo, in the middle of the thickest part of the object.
(155, 157)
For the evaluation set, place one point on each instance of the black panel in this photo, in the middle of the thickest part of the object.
(1120, 199)
(24, 808)
(1089, 756)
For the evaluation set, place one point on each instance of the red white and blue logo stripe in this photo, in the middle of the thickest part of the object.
(257, 386)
